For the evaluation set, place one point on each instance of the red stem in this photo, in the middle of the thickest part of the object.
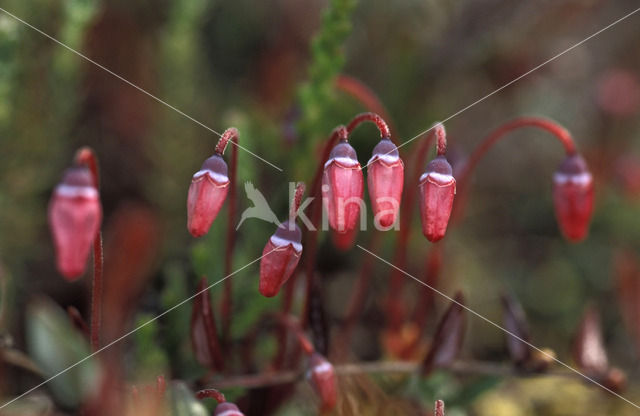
(211, 394)
(372, 117)
(439, 410)
(397, 279)
(288, 322)
(365, 95)
(441, 136)
(86, 156)
(542, 123)
(202, 308)
(297, 200)
(231, 134)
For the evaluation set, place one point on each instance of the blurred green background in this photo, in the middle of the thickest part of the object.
(253, 65)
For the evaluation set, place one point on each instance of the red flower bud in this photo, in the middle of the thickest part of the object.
(342, 187)
(74, 217)
(344, 241)
(573, 197)
(280, 258)
(227, 409)
(322, 377)
(385, 180)
(207, 192)
(437, 190)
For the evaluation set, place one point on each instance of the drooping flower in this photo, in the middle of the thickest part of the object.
(437, 190)
(385, 180)
(75, 215)
(207, 192)
(342, 187)
(322, 377)
(573, 197)
(280, 258)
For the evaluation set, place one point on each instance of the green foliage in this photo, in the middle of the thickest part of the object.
(317, 97)
(150, 358)
(56, 346)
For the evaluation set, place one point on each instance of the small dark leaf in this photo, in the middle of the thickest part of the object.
(204, 335)
(515, 322)
(588, 348)
(447, 341)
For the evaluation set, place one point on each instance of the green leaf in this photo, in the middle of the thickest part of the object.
(58, 348)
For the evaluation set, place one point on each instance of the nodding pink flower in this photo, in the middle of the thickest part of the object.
(437, 190)
(207, 192)
(342, 187)
(74, 217)
(280, 258)
(385, 180)
(227, 409)
(573, 197)
(322, 377)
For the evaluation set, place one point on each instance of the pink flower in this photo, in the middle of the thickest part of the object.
(342, 187)
(573, 197)
(207, 192)
(280, 258)
(322, 377)
(385, 180)
(74, 217)
(437, 190)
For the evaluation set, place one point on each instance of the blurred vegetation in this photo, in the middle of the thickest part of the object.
(268, 68)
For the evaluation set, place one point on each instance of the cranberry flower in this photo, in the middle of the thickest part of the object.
(282, 252)
(437, 189)
(209, 188)
(75, 214)
(322, 377)
(573, 197)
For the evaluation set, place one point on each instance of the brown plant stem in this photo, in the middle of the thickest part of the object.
(86, 156)
(229, 135)
(550, 126)
(270, 379)
(365, 95)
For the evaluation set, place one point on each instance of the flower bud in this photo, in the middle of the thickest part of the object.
(437, 190)
(322, 377)
(342, 187)
(344, 241)
(280, 258)
(227, 409)
(573, 197)
(207, 192)
(74, 217)
(385, 180)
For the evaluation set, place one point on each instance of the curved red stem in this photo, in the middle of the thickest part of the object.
(86, 156)
(372, 117)
(551, 126)
(365, 95)
(211, 394)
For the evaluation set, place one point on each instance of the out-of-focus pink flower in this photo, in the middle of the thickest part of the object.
(385, 180)
(573, 197)
(207, 192)
(75, 215)
(227, 409)
(322, 377)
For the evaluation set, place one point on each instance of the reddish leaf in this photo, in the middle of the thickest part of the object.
(515, 322)
(204, 335)
(588, 348)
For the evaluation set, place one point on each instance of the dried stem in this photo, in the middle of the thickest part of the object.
(86, 156)
(372, 117)
(363, 94)
(384, 367)
(229, 135)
